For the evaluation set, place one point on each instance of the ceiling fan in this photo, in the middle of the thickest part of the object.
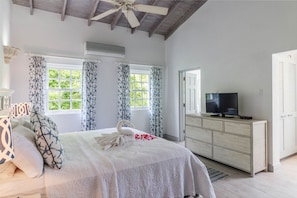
(127, 7)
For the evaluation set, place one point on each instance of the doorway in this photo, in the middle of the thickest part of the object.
(190, 96)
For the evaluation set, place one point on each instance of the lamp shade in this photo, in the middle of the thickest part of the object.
(6, 147)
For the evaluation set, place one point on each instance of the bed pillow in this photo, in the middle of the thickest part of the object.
(20, 109)
(21, 120)
(47, 140)
(7, 170)
(27, 157)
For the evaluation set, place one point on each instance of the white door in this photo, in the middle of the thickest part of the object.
(191, 93)
(288, 111)
(190, 98)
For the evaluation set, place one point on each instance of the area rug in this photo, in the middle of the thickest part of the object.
(215, 175)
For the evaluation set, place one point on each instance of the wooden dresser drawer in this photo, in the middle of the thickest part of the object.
(238, 128)
(232, 158)
(198, 134)
(198, 147)
(194, 121)
(234, 142)
(212, 124)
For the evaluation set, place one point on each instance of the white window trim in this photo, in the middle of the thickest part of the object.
(143, 70)
(66, 66)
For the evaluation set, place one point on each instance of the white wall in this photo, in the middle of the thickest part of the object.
(232, 42)
(5, 6)
(45, 33)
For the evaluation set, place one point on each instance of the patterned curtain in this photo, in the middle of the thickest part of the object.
(89, 89)
(124, 111)
(156, 119)
(37, 82)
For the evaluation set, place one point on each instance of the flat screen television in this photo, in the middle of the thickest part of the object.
(222, 104)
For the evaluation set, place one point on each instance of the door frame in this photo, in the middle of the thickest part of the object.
(182, 101)
(276, 106)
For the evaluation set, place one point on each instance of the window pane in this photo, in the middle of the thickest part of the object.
(137, 86)
(144, 78)
(137, 77)
(76, 84)
(53, 106)
(53, 95)
(65, 95)
(65, 84)
(138, 103)
(145, 86)
(76, 74)
(76, 95)
(53, 84)
(132, 79)
(76, 105)
(53, 73)
(145, 95)
(65, 74)
(145, 103)
(65, 105)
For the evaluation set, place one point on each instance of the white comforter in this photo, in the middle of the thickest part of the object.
(155, 168)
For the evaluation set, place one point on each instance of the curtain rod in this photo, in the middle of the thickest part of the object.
(63, 57)
(140, 64)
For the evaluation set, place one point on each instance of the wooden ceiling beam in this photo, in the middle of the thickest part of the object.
(31, 7)
(154, 2)
(184, 18)
(116, 19)
(96, 3)
(64, 10)
(171, 10)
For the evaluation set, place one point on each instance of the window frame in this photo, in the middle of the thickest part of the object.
(145, 72)
(60, 66)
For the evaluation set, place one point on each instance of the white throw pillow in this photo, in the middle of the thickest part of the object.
(27, 157)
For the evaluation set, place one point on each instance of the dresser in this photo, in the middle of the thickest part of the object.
(239, 143)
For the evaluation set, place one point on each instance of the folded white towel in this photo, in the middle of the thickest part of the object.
(119, 138)
(125, 131)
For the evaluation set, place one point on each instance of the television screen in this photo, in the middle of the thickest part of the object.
(228, 104)
(212, 102)
(222, 103)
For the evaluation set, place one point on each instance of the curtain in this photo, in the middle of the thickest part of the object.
(37, 82)
(124, 111)
(89, 89)
(156, 119)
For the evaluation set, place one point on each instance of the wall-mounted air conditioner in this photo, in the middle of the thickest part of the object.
(100, 49)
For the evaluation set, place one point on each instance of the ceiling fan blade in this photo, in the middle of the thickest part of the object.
(105, 14)
(132, 19)
(151, 9)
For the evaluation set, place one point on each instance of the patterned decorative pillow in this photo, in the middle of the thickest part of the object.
(20, 109)
(47, 140)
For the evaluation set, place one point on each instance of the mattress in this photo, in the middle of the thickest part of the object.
(151, 168)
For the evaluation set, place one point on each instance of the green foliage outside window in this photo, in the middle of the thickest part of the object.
(139, 90)
(64, 89)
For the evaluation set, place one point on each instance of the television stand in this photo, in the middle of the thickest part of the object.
(215, 115)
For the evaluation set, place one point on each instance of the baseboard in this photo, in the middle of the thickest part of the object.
(170, 137)
(273, 167)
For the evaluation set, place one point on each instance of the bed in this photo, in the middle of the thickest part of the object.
(141, 168)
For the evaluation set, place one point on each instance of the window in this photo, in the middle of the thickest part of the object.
(139, 89)
(63, 88)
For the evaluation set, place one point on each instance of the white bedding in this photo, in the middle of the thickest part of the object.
(155, 168)
(151, 169)
(20, 184)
